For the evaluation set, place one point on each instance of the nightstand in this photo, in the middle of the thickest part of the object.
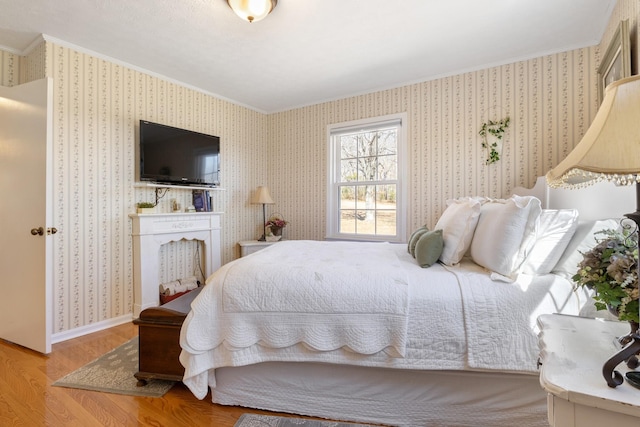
(573, 351)
(250, 246)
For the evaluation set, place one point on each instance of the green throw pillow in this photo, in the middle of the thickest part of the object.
(411, 247)
(429, 248)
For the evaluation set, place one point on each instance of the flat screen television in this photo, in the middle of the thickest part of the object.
(174, 156)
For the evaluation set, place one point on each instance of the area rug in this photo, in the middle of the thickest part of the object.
(113, 373)
(255, 420)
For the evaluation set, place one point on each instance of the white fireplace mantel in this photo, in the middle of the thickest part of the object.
(150, 231)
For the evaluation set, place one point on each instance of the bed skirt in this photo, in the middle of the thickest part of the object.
(386, 396)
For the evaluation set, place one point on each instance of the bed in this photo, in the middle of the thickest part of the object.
(388, 341)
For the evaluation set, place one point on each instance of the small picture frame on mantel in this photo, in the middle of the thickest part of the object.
(616, 62)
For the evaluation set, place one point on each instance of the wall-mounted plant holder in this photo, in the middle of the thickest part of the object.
(492, 133)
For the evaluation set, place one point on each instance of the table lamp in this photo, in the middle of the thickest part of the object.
(609, 151)
(263, 197)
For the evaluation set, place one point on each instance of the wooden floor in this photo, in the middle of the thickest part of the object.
(28, 399)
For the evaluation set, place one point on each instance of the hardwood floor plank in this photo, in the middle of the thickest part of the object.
(27, 397)
(10, 413)
(20, 388)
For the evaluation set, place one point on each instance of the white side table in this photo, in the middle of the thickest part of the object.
(573, 351)
(250, 246)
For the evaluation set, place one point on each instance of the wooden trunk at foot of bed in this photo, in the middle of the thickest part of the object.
(159, 340)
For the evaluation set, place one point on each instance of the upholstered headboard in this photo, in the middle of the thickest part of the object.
(598, 201)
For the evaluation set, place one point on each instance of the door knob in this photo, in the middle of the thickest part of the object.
(37, 231)
(52, 230)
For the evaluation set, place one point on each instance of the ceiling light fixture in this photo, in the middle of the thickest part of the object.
(252, 10)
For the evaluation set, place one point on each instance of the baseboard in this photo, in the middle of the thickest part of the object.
(88, 329)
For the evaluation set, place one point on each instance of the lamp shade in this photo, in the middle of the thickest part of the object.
(610, 149)
(262, 196)
(252, 10)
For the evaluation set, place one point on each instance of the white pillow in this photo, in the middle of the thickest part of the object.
(583, 240)
(555, 230)
(457, 223)
(505, 233)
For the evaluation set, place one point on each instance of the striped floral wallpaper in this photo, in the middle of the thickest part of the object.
(97, 104)
(551, 101)
(9, 68)
(548, 99)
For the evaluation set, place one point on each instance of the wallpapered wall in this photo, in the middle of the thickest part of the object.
(98, 103)
(10, 68)
(551, 101)
(548, 100)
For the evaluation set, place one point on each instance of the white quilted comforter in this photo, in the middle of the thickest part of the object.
(455, 318)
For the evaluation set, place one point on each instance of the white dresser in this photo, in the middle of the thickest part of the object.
(573, 351)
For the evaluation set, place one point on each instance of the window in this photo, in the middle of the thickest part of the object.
(367, 162)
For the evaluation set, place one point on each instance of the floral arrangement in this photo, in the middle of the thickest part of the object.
(611, 270)
(276, 222)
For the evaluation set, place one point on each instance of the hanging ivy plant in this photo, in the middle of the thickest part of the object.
(496, 130)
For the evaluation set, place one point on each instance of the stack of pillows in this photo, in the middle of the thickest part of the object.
(505, 236)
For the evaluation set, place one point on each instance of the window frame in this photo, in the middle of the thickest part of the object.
(333, 167)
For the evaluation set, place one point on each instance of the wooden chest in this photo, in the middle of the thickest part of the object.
(159, 337)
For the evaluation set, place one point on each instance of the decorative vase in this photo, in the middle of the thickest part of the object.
(276, 231)
(633, 325)
(632, 361)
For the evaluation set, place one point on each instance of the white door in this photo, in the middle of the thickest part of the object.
(26, 232)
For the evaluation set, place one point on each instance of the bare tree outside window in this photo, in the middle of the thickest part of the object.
(368, 180)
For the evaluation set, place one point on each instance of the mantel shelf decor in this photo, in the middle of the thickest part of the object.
(145, 207)
(492, 133)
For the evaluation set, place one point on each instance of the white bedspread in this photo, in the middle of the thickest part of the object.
(501, 317)
(459, 319)
(325, 294)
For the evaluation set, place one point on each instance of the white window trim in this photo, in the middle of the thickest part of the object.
(401, 195)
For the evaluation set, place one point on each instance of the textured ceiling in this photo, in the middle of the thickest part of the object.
(307, 51)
